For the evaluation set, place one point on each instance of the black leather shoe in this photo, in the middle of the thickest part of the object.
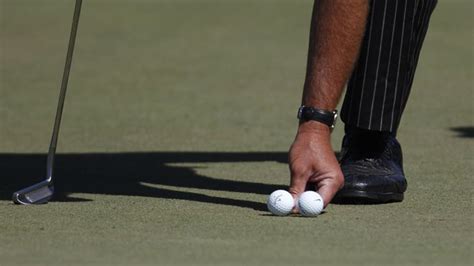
(372, 166)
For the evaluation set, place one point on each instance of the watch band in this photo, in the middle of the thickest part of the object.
(306, 113)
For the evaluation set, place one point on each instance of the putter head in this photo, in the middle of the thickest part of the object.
(36, 194)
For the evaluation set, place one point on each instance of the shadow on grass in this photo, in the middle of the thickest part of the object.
(126, 173)
(464, 132)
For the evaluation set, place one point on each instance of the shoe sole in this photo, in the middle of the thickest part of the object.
(364, 197)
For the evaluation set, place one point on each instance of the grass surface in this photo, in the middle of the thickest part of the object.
(176, 126)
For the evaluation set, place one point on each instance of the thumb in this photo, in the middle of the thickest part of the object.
(327, 191)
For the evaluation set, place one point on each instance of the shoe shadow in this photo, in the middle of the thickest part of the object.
(134, 174)
(359, 201)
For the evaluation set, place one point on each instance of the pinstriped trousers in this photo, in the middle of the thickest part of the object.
(378, 89)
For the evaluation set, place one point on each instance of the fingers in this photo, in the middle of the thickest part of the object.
(297, 185)
(300, 169)
(298, 182)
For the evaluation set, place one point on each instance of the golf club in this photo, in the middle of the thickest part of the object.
(43, 191)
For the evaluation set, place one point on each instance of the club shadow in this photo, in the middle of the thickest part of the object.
(126, 173)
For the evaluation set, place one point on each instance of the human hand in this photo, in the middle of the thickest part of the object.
(312, 161)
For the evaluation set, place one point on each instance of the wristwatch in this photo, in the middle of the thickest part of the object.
(306, 113)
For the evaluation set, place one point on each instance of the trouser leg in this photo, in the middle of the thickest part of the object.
(378, 89)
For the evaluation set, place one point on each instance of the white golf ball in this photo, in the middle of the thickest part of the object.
(310, 203)
(280, 202)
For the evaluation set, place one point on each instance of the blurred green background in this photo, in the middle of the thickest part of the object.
(177, 122)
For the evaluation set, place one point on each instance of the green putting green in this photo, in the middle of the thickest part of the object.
(177, 122)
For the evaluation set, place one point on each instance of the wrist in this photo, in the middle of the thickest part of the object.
(314, 127)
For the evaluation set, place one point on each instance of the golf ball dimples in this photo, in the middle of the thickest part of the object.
(280, 202)
(310, 203)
